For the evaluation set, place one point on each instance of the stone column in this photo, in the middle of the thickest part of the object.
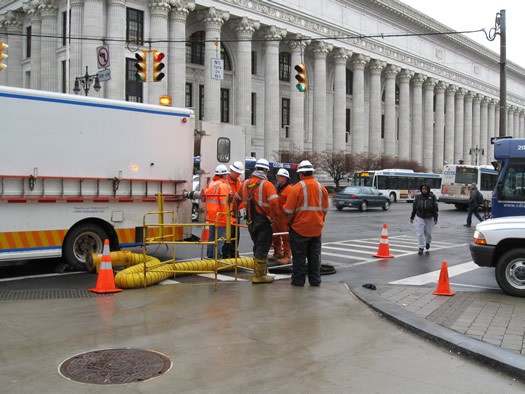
(340, 56)
(271, 92)
(159, 10)
(3, 38)
(483, 129)
(320, 51)
(297, 98)
(428, 123)
(417, 118)
(510, 121)
(374, 130)
(467, 131)
(522, 123)
(116, 13)
(391, 72)
(31, 9)
(459, 116)
(449, 123)
(213, 20)
(358, 102)
(439, 128)
(13, 23)
(476, 124)
(404, 114)
(176, 63)
(93, 14)
(516, 122)
(75, 46)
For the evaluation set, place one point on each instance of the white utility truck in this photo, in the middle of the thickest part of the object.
(75, 170)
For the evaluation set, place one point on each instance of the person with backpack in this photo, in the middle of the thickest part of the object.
(425, 211)
(474, 202)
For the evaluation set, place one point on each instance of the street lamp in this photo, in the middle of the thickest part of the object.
(476, 151)
(86, 82)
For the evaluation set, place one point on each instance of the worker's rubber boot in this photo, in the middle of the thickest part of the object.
(259, 272)
(287, 257)
(276, 255)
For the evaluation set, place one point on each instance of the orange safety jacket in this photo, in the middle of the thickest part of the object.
(216, 204)
(234, 185)
(308, 203)
(283, 197)
(264, 196)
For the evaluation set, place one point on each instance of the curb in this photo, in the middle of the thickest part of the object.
(486, 353)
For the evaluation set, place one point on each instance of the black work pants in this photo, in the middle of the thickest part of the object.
(228, 250)
(303, 249)
(261, 234)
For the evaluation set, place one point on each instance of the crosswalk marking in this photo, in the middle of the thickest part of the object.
(222, 278)
(433, 277)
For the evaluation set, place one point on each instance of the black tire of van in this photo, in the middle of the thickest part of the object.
(81, 240)
(510, 272)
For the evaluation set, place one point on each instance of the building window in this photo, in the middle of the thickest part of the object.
(254, 109)
(133, 87)
(226, 59)
(64, 63)
(347, 134)
(254, 63)
(284, 66)
(189, 95)
(28, 42)
(195, 49)
(134, 26)
(383, 126)
(64, 26)
(201, 102)
(285, 112)
(225, 105)
(349, 82)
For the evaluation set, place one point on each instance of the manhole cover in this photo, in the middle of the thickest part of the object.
(115, 366)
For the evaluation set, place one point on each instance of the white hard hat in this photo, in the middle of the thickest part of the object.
(305, 166)
(262, 163)
(221, 170)
(237, 167)
(283, 172)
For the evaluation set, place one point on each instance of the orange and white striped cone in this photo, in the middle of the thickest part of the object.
(443, 284)
(205, 234)
(105, 280)
(384, 250)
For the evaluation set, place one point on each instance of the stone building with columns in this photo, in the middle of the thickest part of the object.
(376, 83)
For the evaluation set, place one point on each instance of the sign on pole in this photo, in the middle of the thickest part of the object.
(104, 75)
(217, 69)
(103, 56)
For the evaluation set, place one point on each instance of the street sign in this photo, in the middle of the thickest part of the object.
(217, 69)
(104, 75)
(103, 56)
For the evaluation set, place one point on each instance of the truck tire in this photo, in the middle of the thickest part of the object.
(81, 240)
(510, 272)
(392, 197)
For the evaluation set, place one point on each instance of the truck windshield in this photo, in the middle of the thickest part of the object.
(514, 183)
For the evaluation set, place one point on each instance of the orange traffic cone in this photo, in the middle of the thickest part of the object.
(205, 233)
(384, 250)
(443, 284)
(105, 280)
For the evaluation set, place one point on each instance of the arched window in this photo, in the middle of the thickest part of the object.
(195, 50)
(284, 66)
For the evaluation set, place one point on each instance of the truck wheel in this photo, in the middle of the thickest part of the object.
(510, 272)
(392, 197)
(82, 240)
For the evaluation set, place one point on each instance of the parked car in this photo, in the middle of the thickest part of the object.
(360, 197)
(500, 243)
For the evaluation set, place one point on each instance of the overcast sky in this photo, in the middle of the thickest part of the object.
(463, 15)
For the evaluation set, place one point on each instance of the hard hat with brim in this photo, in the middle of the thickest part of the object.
(284, 172)
(237, 167)
(305, 166)
(262, 163)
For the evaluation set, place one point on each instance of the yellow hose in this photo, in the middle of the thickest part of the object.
(133, 277)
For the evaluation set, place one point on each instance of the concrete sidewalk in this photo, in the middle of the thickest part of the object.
(488, 326)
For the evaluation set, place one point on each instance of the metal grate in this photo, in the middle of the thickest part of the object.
(47, 294)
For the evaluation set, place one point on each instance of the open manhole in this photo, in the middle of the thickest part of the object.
(115, 366)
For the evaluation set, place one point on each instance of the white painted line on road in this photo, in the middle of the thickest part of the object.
(168, 282)
(222, 278)
(39, 276)
(344, 256)
(433, 277)
(477, 287)
(371, 249)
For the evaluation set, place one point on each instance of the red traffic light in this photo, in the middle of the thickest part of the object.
(158, 66)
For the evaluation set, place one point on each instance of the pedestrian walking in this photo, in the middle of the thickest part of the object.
(474, 202)
(216, 196)
(425, 211)
(234, 181)
(261, 202)
(281, 243)
(307, 204)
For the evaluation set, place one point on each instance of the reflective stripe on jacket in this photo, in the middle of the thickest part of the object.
(265, 196)
(308, 203)
(216, 204)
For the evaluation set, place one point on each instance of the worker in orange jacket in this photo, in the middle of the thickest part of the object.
(308, 205)
(216, 197)
(234, 181)
(281, 243)
(261, 202)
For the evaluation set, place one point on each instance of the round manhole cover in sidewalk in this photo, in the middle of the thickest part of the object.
(115, 366)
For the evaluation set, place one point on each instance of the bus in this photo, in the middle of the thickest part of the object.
(398, 184)
(509, 194)
(457, 179)
(249, 164)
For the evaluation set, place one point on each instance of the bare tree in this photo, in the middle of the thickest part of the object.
(338, 165)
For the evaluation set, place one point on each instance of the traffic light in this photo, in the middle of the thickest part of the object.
(3, 55)
(301, 77)
(141, 74)
(158, 66)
